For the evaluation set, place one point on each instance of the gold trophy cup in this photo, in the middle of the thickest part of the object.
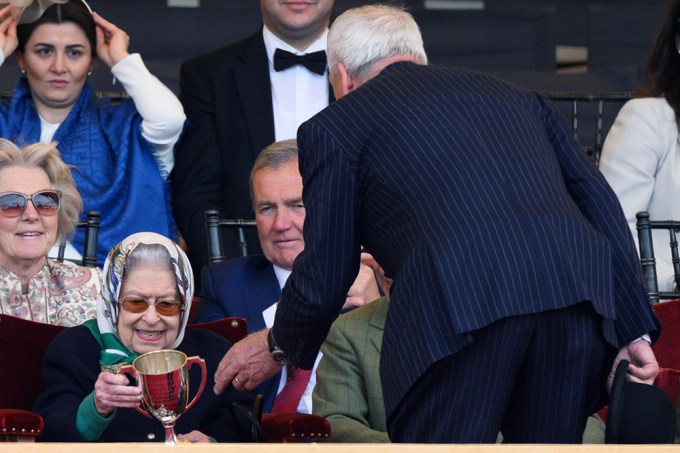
(163, 377)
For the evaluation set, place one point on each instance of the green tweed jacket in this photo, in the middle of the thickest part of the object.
(348, 391)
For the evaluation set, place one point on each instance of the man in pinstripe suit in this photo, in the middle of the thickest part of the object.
(516, 280)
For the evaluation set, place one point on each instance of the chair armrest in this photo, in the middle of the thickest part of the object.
(668, 380)
(18, 424)
(294, 427)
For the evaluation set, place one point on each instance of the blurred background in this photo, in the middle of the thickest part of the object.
(547, 45)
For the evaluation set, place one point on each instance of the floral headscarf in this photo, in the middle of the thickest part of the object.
(27, 11)
(105, 327)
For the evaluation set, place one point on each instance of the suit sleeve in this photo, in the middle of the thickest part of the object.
(340, 393)
(197, 179)
(599, 205)
(324, 271)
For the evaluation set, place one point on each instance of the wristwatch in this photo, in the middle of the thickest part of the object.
(274, 351)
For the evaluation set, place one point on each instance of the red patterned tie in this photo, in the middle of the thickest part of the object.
(288, 398)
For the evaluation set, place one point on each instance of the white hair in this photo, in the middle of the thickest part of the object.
(361, 37)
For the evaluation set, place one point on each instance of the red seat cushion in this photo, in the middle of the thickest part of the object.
(666, 348)
(20, 422)
(233, 329)
(294, 427)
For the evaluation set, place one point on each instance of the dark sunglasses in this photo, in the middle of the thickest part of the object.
(163, 307)
(46, 202)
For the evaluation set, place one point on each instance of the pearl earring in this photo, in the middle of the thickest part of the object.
(23, 71)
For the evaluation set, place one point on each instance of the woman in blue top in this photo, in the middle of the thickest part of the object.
(121, 154)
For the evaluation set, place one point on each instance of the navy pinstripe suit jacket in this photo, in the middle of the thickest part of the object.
(474, 196)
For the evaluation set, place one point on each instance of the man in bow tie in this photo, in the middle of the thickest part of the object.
(239, 99)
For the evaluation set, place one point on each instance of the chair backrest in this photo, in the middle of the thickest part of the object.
(591, 116)
(648, 260)
(91, 226)
(233, 329)
(214, 226)
(22, 346)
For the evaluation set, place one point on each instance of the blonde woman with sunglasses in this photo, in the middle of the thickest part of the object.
(147, 287)
(39, 205)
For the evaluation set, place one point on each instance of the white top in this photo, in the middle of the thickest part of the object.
(297, 93)
(641, 161)
(305, 406)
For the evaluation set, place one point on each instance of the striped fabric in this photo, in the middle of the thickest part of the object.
(473, 195)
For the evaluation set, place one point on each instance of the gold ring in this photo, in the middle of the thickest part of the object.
(236, 381)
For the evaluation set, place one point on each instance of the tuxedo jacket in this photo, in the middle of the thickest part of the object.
(473, 195)
(242, 287)
(227, 98)
(348, 392)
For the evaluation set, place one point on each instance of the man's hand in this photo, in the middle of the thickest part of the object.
(643, 365)
(247, 364)
(194, 437)
(383, 280)
(364, 289)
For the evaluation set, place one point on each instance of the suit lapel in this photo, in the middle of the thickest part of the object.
(377, 321)
(254, 89)
(261, 290)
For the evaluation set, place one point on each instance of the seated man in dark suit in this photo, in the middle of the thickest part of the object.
(249, 287)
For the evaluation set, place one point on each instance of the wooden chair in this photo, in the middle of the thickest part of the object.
(91, 226)
(22, 346)
(645, 226)
(214, 225)
(24, 343)
(596, 111)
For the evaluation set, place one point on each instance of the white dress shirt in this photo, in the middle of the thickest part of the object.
(305, 406)
(297, 93)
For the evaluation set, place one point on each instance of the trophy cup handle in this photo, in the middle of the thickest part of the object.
(131, 370)
(190, 362)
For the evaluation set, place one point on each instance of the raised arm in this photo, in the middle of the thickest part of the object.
(162, 114)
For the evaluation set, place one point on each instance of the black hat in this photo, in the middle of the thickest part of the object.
(638, 413)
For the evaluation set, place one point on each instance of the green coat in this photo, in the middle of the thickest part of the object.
(348, 392)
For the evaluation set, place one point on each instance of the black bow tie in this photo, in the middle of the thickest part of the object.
(315, 61)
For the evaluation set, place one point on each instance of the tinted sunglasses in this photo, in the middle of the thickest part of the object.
(163, 307)
(46, 202)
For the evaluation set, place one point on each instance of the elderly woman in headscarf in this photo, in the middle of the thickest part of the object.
(144, 305)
